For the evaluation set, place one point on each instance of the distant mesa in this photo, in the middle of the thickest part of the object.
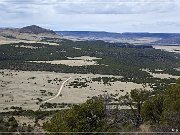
(33, 29)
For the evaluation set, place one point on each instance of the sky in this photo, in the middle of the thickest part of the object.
(93, 15)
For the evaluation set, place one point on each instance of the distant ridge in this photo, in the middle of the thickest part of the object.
(34, 29)
(27, 34)
(115, 34)
(126, 37)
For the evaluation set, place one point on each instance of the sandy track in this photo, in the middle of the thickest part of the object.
(58, 92)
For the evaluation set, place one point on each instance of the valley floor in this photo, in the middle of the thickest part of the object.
(27, 89)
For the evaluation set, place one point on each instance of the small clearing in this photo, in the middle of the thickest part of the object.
(75, 61)
(161, 75)
(175, 49)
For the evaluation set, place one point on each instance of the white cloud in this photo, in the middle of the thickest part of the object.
(102, 15)
(113, 7)
(96, 6)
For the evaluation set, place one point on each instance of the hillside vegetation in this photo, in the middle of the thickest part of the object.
(158, 108)
(160, 112)
(116, 59)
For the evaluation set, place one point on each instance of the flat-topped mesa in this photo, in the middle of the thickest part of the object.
(33, 29)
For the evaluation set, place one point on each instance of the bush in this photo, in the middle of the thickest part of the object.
(87, 117)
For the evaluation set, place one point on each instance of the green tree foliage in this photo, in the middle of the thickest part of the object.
(164, 109)
(87, 117)
(9, 125)
(118, 57)
(13, 124)
(135, 100)
(171, 113)
(152, 109)
(172, 97)
(3, 125)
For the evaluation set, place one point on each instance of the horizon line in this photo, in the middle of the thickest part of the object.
(8, 27)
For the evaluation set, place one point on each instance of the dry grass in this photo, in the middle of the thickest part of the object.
(76, 61)
(161, 75)
(175, 49)
(24, 87)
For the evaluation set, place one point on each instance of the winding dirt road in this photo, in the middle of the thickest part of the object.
(59, 92)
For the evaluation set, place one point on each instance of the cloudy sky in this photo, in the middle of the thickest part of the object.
(93, 15)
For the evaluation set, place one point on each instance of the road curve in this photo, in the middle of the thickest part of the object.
(59, 92)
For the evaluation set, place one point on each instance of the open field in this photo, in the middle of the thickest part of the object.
(69, 62)
(175, 49)
(84, 58)
(76, 61)
(12, 41)
(161, 75)
(27, 89)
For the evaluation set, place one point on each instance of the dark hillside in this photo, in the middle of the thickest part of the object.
(33, 29)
